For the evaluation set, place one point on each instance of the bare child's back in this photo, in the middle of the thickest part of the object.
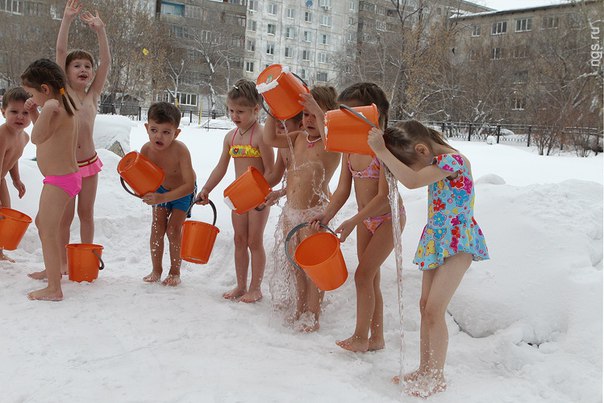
(55, 153)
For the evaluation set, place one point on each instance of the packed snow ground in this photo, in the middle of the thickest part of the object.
(525, 326)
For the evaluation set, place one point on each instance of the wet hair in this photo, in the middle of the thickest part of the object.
(297, 118)
(46, 72)
(164, 112)
(16, 94)
(78, 54)
(401, 139)
(244, 92)
(326, 96)
(368, 93)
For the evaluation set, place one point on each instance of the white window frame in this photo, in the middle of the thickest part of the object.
(475, 30)
(268, 29)
(499, 28)
(270, 48)
(249, 66)
(524, 24)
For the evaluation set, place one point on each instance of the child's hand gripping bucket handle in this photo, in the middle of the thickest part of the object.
(358, 115)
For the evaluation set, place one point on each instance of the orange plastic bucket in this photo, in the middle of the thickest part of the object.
(142, 175)
(320, 257)
(281, 90)
(13, 225)
(248, 191)
(347, 129)
(198, 239)
(84, 261)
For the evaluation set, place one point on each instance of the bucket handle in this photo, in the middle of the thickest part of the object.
(100, 260)
(358, 115)
(291, 234)
(211, 205)
(264, 103)
(126, 188)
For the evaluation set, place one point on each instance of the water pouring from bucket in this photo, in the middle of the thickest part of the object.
(13, 225)
(198, 239)
(281, 90)
(347, 129)
(142, 175)
(320, 257)
(84, 261)
(248, 191)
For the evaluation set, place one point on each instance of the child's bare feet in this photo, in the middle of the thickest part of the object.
(410, 376)
(425, 386)
(172, 280)
(307, 323)
(376, 344)
(235, 293)
(251, 296)
(38, 275)
(46, 294)
(354, 343)
(153, 277)
(6, 258)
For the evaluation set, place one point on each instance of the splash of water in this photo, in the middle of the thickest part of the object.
(395, 204)
(291, 145)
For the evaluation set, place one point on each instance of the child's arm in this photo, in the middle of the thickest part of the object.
(72, 8)
(32, 108)
(95, 23)
(16, 177)
(277, 171)
(188, 176)
(404, 174)
(270, 137)
(268, 156)
(311, 105)
(217, 174)
(44, 127)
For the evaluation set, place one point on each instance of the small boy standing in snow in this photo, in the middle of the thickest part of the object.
(12, 142)
(172, 200)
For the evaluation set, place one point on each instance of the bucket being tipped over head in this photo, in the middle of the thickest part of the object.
(248, 191)
(320, 257)
(347, 129)
(198, 239)
(142, 175)
(13, 225)
(84, 261)
(281, 90)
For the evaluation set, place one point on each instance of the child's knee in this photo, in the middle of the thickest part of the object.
(174, 233)
(240, 241)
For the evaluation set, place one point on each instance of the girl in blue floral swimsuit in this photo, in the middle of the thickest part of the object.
(419, 156)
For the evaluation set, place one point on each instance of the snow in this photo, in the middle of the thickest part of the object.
(525, 326)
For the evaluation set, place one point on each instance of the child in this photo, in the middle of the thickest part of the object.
(247, 148)
(55, 137)
(307, 192)
(86, 87)
(419, 156)
(373, 224)
(12, 142)
(171, 202)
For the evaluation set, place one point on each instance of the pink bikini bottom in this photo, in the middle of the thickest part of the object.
(90, 167)
(373, 223)
(70, 183)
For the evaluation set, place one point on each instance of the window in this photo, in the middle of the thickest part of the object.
(251, 25)
(326, 4)
(194, 12)
(550, 22)
(520, 77)
(303, 73)
(290, 32)
(186, 99)
(272, 8)
(499, 28)
(496, 53)
(270, 48)
(252, 5)
(250, 45)
(291, 13)
(352, 5)
(307, 36)
(289, 52)
(476, 30)
(520, 52)
(237, 41)
(307, 16)
(380, 25)
(326, 20)
(177, 31)
(305, 54)
(249, 67)
(322, 57)
(168, 8)
(321, 76)
(524, 24)
(34, 8)
(352, 36)
(324, 39)
(518, 103)
(272, 29)
(350, 21)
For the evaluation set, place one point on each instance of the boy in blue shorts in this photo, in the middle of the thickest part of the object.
(172, 200)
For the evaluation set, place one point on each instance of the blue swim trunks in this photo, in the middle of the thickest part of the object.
(182, 204)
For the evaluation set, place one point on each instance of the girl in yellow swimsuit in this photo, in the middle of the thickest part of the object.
(244, 144)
